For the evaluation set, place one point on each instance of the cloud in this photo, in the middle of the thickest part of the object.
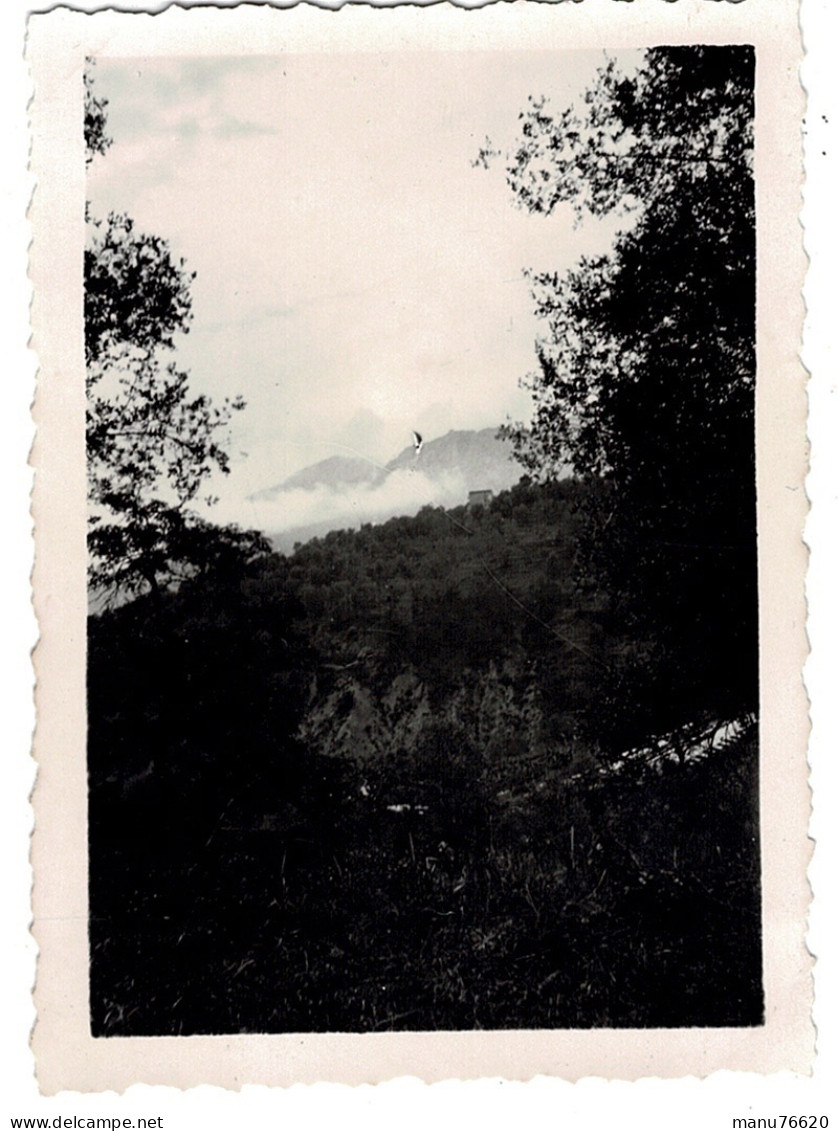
(356, 277)
(402, 492)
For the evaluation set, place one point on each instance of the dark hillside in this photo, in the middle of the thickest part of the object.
(449, 590)
(356, 790)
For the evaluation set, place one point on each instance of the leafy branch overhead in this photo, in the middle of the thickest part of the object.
(151, 443)
(135, 295)
(682, 121)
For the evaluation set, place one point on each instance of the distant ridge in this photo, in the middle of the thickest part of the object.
(336, 470)
(478, 456)
(441, 474)
(484, 461)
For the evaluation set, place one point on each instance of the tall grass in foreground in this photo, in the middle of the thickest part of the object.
(627, 899)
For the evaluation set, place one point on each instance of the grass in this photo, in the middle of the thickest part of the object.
(586, 903)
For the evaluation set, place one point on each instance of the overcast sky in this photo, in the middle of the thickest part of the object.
(357, 277)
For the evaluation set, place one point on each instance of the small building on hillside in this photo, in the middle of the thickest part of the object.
(478, 500)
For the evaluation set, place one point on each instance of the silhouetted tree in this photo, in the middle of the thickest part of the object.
(151, 443)
(646, 376)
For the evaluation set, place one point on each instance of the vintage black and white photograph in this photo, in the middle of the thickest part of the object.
(422, 647)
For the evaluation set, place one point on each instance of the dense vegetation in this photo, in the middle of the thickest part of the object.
(243, 881)
(449, 589)
(647, 368)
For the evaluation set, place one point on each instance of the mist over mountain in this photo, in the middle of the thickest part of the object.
(479, 456)
(346, 491)
(485, 461)
(343, 471)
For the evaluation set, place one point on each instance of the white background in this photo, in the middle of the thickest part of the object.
(491, 1104)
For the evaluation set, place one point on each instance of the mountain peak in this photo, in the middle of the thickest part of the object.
(341, 491)
(478, 455)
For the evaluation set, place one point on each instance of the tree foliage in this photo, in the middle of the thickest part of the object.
(646, 374)
(151, 443)
(96, 137)
(459, 875)
(136, 296)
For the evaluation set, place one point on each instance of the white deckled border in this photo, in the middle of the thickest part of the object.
(67, 1056)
